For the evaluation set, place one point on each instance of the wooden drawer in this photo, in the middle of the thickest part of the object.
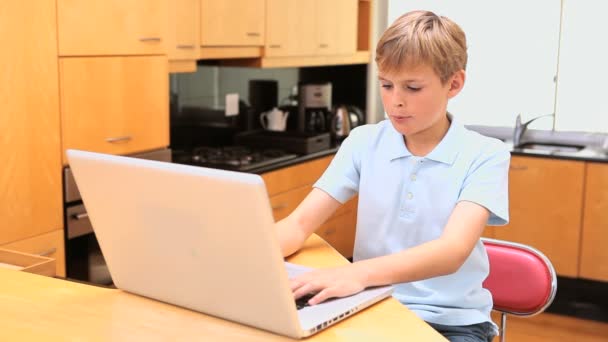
(49, 245)
(112, 27)
(115, 105)
(27, 262)
(295, 176)
(349, 206)
(283, 204)
(339, 232)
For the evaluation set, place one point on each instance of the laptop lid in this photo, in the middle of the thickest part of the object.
(199, 238)
(195, 237)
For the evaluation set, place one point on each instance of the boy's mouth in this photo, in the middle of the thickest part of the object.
(401, 117)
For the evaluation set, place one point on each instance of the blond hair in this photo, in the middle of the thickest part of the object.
(422, 37)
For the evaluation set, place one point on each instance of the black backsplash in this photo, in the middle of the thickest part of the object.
(192, 127)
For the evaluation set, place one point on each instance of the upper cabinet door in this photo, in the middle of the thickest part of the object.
(30, 181)
(337, 27)
(581, 88)
(115, 105)
(290, 28)
(184, 29)
(232, 22)
(112, 27)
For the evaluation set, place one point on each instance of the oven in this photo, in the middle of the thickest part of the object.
(84, 261)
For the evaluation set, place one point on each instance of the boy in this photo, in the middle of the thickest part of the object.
(427, 188)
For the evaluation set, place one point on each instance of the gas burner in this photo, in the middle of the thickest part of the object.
(238, 158)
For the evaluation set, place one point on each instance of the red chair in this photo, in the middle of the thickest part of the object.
(522, 280)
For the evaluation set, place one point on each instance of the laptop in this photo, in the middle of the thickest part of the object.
(199, 238)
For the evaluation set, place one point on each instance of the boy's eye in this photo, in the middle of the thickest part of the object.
(386, 86)
(413, 88)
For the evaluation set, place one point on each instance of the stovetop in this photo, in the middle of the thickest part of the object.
(236, 158)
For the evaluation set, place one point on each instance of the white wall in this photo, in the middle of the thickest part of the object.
(512, 47)
(583, 75)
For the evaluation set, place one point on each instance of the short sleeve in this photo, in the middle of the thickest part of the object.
(341, 179)
(487, 184)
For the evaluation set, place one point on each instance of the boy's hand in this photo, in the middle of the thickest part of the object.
(327, 283)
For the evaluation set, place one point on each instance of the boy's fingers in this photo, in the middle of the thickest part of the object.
(322, 296)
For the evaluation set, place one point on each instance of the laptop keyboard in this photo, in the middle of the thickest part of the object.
(302, 302)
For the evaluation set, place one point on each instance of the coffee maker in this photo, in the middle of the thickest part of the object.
(314, 107)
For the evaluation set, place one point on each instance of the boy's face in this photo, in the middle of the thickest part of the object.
(415, 99)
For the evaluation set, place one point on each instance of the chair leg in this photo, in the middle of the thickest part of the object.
(503, 326)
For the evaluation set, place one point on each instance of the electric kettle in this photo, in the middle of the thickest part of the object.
(344, 119)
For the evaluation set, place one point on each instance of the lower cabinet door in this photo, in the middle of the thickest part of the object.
(339, 232)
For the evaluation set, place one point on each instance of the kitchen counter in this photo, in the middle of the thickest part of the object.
(38, 308)
(586, 154)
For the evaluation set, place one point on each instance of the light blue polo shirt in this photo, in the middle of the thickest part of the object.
(406, 200)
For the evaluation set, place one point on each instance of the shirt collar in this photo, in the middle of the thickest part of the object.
(396, 144)
(445, 152)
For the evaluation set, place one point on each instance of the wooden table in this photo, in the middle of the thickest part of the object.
(38, 308)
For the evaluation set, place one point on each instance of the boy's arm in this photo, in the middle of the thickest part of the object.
(315, 209)
(435, 258)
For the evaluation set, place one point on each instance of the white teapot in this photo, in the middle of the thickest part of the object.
(274, 120)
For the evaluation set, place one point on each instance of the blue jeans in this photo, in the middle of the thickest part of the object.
(481, 332)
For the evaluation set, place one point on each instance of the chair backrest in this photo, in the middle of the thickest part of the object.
(522, 280)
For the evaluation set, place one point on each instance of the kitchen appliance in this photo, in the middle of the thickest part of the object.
(292, 142)
(235, 158)
(344, 119)
(314, 107)
(84, 261)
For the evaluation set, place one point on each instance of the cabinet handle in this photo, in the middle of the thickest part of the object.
(323, 46)
(279, 206)
(329, 231)
(149, 39)
(253, 34)
(49, 252)
(518, 167)
(185, 46)
(118, 139)
(80, 216)
(274, 46)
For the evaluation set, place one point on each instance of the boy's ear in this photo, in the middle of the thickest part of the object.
(456, 83)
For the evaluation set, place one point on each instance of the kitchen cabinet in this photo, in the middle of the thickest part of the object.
(47, 245)
(311, 28)
(115, 105)
(336, 27)
(232, 22)
(291, 29)
(339, 230)
(30, 180)
(183, 35)
(287, 187)
(112, 27)
(594, 254)
(546, 204)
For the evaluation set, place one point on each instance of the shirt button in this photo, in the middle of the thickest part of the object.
(413, 177)
(410, 195)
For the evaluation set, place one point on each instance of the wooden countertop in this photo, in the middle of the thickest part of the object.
(38, 308)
